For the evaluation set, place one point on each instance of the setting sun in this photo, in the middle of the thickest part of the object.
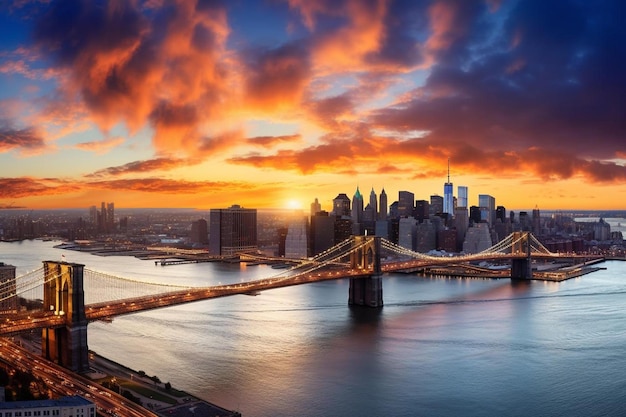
(294, 204)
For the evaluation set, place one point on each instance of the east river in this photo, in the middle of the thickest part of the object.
(439, 347)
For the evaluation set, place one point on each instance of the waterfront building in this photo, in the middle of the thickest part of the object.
(233, 230)
(62, 407)
(296, 239)
(341, 205)
(7, 288)
(406, 200)
(382, 207)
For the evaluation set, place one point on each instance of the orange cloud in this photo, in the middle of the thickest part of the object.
(346, 48)
(27, 141)
(271, 141)
(276, 79)
(157, 164)
(100, 146)
(27, 187)
(129, 68)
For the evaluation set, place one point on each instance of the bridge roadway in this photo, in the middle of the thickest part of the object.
(15, 324)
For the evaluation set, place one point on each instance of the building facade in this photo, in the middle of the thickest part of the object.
(74, 406)
(8, 301)
(233, 230)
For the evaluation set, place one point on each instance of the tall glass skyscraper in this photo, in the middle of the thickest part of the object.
(462, 197)
(448, 197)
(487, 204)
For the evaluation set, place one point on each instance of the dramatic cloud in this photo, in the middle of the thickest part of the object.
(125, 65)
(271, 141)
(26, 140)
(276, 79)
(29, 187)
(168, 186)
(100, 146)
(157, 164)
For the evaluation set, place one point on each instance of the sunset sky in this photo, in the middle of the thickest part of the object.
(205, 104)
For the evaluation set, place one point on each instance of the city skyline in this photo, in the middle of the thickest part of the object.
(198, 104)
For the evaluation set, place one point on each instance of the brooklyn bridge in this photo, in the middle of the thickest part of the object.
(69, 296)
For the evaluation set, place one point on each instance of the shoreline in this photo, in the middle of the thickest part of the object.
(154, 395)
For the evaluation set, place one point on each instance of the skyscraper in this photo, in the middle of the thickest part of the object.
(232, 230)
(422, 208)
(448, 202)
(406, 203)
(536, 228)
(322, 235)
(382, 207)
(488, 205)
(316, 207)
(341, 205)
(462, 198)
(357, 206)
(436, 205)
(374, 203)
(105, 218)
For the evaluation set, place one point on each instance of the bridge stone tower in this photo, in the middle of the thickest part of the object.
(367, 291)
(521, 268)
(64, 295)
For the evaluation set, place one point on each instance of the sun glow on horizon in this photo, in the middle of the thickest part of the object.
(294, 204)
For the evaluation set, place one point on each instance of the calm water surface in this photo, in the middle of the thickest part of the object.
(439, 347)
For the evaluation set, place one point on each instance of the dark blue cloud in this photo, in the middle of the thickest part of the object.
(553, 79)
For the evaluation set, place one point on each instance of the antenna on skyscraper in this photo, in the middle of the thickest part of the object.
(448, 169)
